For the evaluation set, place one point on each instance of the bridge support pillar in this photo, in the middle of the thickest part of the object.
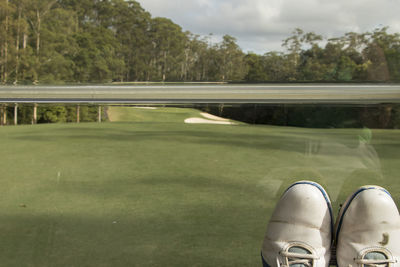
(15, 114)
(99, 113)
(78, 109)
(2, 111)
(34, 120)
(4, 115)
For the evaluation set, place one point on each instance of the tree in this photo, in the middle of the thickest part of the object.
(278, 67)
(383, 51)
(37, 10)
(168, 45)
(232, 59)
(374, 53)
(131, 24)
(256, 70)
(58, 47)
(51, 114)
(200, 56)
(6, 10)
(96, 60)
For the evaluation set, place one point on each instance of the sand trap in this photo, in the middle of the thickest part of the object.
(145, 107)
(200, 120)
(212, 117)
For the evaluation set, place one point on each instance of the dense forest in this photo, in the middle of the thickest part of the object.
(382, 116)
(80, 41)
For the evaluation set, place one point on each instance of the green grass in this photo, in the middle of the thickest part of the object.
(150, 115)
(153, 191)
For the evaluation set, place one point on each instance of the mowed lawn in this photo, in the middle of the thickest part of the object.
(149, 190)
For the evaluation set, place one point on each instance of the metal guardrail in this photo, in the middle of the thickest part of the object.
(188, 94)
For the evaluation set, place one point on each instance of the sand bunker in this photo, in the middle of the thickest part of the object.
(211, 119)
(200, 120)
(145, 107)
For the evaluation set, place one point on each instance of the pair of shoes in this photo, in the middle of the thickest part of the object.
(301, 232)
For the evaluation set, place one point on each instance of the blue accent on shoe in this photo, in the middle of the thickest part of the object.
(264, 263)
(328, 202)
(349, 202)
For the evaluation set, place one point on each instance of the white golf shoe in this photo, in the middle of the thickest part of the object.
(300, 230)
(368, 230)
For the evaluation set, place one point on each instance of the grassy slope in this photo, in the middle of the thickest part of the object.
(158, 192)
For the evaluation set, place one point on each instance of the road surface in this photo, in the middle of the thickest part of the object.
(188, 94)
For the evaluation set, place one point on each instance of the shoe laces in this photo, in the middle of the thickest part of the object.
(374, 263)
(374, 259)
(297, 256)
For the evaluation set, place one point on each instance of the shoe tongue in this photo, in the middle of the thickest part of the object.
(299, 250)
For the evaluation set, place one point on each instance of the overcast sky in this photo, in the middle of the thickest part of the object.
(261, 25)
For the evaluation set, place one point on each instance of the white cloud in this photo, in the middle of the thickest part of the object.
(261, 25)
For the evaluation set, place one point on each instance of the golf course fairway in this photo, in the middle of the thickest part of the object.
(147, 189)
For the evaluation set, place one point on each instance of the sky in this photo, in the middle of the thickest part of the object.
(260, 25)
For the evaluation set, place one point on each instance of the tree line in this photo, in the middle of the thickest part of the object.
(382, 116)
(80, 41)
(355, 57)
(52, 41)
(48, 113)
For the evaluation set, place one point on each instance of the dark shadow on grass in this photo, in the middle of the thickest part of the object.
(156, 186)
(201, 234)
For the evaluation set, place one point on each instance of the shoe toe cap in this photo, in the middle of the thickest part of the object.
(370, 220)
(303, 214)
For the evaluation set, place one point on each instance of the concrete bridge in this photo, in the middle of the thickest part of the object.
(364, 94)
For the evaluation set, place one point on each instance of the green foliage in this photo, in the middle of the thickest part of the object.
(346, 69)
(96, 59)
(52, 114)
(67, 41)
(232, 61)
(256, 69)
(353, 57)
(313, 116)
(59, 46)
(168, 44)
(101, 41)
(88, 113)
(25, 114)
